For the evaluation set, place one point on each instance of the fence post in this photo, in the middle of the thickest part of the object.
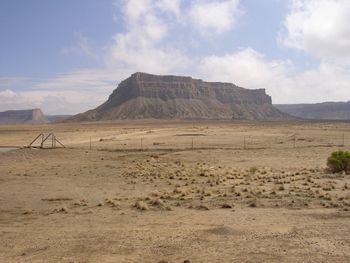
(245, 143)
(294, 141)
(343, 140)
(141, 143)
(192, 143)
(90, 144)
(42, 142)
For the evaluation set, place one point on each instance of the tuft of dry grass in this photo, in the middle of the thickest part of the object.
(202, 207)
(252, 204)
(160, 204)
(140, 205)
(61, 210)
(253, 169)
(226, 206)
(112, 202)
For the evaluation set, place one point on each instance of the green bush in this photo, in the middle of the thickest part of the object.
(339, 162)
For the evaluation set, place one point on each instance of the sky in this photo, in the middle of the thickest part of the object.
(66, 56)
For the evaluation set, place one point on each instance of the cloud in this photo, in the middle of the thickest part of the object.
(245, 67)
(7, 82)
(319, 27)
(329, 81)
(139, 48)
(98, 80)
(143, 47)
(72, 92)
(251, 69)
(82, 47)
(172, 6)
(7, 94)
(53, 102)
(150, 43)
(217, 17)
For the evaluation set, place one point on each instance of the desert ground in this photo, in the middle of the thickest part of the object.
(157, 191)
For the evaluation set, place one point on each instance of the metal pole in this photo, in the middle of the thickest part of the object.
(43, 141)
(90, 143)
(141, 143)
(40, 135)
(343, 140)
(59, 143)
(192, 143)
(245, 143)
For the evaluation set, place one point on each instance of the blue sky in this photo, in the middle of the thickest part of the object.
(67, 56)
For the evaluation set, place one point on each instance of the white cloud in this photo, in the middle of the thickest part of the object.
(246, 67)
(143, 47)
(316, 27)
(8, 82)
(140, 48)
(7, 94)
(250, 69)
(327, 82)
(52, 102)
(210, 16)
(319, 27)
(67, 93)
(83, 47)
(98, 80)
(172, 6)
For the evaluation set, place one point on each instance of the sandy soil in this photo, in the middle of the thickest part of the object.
(196, 192)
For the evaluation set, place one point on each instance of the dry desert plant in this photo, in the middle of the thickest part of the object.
(141, 206)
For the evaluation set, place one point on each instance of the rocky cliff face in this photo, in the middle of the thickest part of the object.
(172, 97)
(34, 116)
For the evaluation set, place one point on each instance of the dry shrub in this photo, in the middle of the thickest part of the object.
(252, 204)
(179, 190)
(253, 169)
(156, 193)
(160, 204)
(202, 207)
(226, 205)
(112, 202)
(61, 210)
(141, 205)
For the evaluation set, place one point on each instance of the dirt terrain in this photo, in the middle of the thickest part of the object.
(175, 192)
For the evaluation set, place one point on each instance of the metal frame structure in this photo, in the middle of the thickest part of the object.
(41, 136)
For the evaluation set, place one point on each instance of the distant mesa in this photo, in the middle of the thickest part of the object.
(318, 111)
(33, 116)
(146, 96)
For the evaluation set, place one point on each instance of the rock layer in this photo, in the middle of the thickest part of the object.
(143, 96)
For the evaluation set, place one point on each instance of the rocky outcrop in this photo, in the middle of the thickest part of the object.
(144, 96)
(34, 116)
(320, 111)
